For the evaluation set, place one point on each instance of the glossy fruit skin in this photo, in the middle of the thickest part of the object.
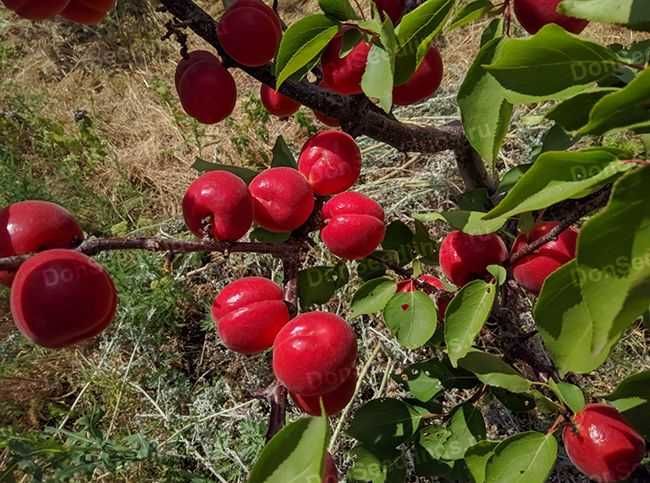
(334, 402)
(250, 33)
(354, 225)
(392, 8)
(192, 58)
(222, 198)
(423, 83)
(33, 226)
(277, 104)
(314, 353)
(330, 472)
(464, 258)
(442, 297)
(36, 9)
(343, 75)
(61, 297)
(207, 92)
(535, 14)
(249, 313)
(331, 162)
(88, 12)
(602, 445)
(532, 270)
(282, 199)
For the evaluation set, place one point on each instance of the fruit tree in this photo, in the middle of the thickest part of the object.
(542, 271)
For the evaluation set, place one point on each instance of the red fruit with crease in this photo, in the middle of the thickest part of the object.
(464, 257)
(334, 401)
(343, 75)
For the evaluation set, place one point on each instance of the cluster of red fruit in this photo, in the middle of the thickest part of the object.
(87, 12)
(47, 285)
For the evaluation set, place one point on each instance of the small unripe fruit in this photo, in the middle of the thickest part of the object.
(314, 353)
(464, 258)
(331, 162)
(282, 199)
(219, 201)
(532, 270)
(277, 104)
(330, 472)
(392, 8)
(249, 313)
(207, 92)
(33, 226)
(424, 81)
(535, 14)
(88, 12)
(250, 33)
(602, 445)
(354, 225)
(343, 75)
(334, 401)
(192, 58)
(36, 9)
(61, 297)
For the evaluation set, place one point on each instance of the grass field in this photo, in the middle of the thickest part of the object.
(89, 119)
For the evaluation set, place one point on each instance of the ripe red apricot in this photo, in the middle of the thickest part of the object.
(250, 33)
(249, 313)
(343, 75)
(282, 199)
(532, 270)
(314, 353)
(392, 8)
(354, 225)
(33, 226)
(61, 297)
(334, 401)
(207, 92)
(602, 445)
(88, 12)
(36, 9)
(192, 58)
(331, 162)
(464, 258)
(277, 104)
(424, 81)
(218, 200)
(535, 14)
(330, 472)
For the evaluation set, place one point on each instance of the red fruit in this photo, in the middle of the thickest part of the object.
(61, 297)
(89, 12)
(423, 83)
(330, 473)
(220, 200)
(250, 33)
(392, 8)
(33, 226)
(602, 445)
(343, 75)
(331, 162)
(354, 225)
(328, 121)
(36, 9)
(282, 199)
(249, 313)
(207, 92)
(192, 58)
(535, 14)
(314, 353)
(464, 258)
(532, 270)
(334, 401)
(277, 104)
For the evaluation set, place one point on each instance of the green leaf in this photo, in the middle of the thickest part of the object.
(523, 458)
(517, 403)
(265, 236)
(573, 113)
(569, 394)
(424, 245)
(465, 317)
(467, 427)
(301, 46)
(499, 273)
(373, 266)
(399, 238)
(296, 453)
(426, 379)
(316, 285)
(384, 424)
(244, 173)
(282, 155)
(552, 64)
(557, 176)
(632, 398)
(470, 222)
(338, 9)
(477, 458)
(493, 371)
(632, 13)
(377, 81)
(496, 28)
(372, 296)
(375, 469)
(411, 317)
(484, 109)
(510, 179)
(470, 13)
